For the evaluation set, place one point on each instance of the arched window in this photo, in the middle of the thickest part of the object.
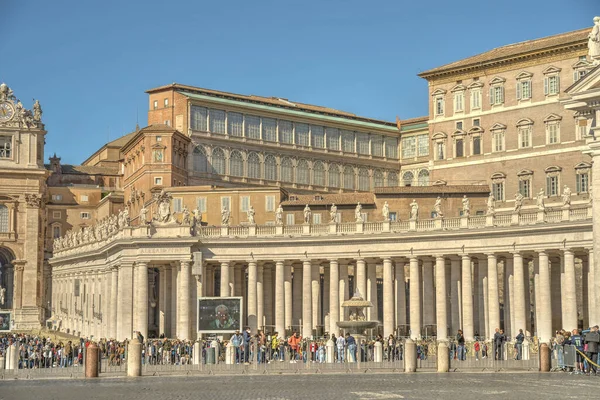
(286, 170)
(3, 218)
(423, 177)
(318, 174)
(200, 160)
(392, 179)
(253, 165)
(378, 178)
(270, 168)
(407, 178)
(236, 164)
(348, 177)
(302, 173)
(218, 161)
(334, 175)
(364, 182)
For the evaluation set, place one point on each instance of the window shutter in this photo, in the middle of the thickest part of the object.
(546, 86)
(502, 95)
(530, 89)
(575, 75)
(472, 100)
(518, 90)
(557, 83)
(491, 95)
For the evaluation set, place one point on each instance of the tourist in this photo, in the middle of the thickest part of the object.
(247, 337)
(341, 344)
(592, 338)
(391, 345)
(519, 345)
(577, 341)
(237, 341)
(351, 343)
(476, 348)
(294, 344)
(460, 340)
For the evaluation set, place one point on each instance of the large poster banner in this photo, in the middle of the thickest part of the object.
(219, 314)
(5, 318)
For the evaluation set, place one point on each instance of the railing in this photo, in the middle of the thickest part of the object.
(477, 221)
(399, 226)
(426, 225)
(347, 228)
(554, 216)
(371, 227)
(238, 231)
(211, 231)
(292, 230)
(503, 220)
(530, 218)
(451, 223)
(578, 214)
(319, 229)
(266, 230)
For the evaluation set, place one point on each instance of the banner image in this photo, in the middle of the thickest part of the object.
(5, 318)
(219, 314)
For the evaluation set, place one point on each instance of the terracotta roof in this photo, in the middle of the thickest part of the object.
(157, 127)
(122, 140)
(462, 189)
(86, 169)
(505, 53)
(328, 199)
(272, 101)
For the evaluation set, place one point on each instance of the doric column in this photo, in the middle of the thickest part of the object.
(441, 298)
(315, 284)
(415, 300)
(140, 304)
(509, 298)
(360, 275)
(400, 294)
(493, 299)
(570, 293)
(183, 300)
(125, 302)
(297, 289)
(455, 294)
(344, 289)
(556, 290)
(484, 328)
(237, 275)
(428, 293)
(388, 298)
(593, 311)
(287, 292)
(164, 300)
(306, 299)
(114, 299)
(544, 301)
(372, 314)
(519, 310)
(279, 298)
(268, 296)
(252, 312)
(334, 297)
(595, 252)
(260, 298)
(467, 298)
(225, 279)
(174, 300)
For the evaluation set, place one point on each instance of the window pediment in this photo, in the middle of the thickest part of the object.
(497, 81)
(524, 75)
(440, 182)
(524, 122)
(554, 168)
(459, 132)
(551, 70)
(439, 135)
(581, 64)
(498, 177)
(498, 127)
(552, 118)
(438, 92)
(475, 129)
(583, 165)
(525, 172)
(458, 88)
(475, 85)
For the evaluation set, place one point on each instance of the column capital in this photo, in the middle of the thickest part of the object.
(279, 262)
(568, 251)
(542, 252)
(465, 257)
(334, 260)
(438, 256)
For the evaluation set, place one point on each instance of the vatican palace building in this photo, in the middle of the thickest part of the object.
(477, 216)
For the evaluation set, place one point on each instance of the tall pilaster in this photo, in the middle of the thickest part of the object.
(297, 288)
(595, 195)
(569, 301)
(268, 296)
(467, 298)
(252, 279)
(441, 298)
(509, 298)
(125, 302)
(388, 298)
(344, 289)
(334, 297)
(164, 300)
(415, 300)
(279, 298)
(545, 305)
(594, 311)
(493, 298)
(315, 284)
(306, 299)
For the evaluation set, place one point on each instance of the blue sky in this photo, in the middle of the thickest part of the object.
(89, 62)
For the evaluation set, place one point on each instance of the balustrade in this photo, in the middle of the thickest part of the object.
(451, 223)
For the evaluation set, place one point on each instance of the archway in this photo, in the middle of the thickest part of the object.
(7, 276)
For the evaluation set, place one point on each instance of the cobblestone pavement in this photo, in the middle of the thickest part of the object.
(461, 386)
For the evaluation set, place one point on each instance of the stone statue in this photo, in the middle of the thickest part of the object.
(225, 216)
(143, 219)
(437, 207)
(120, 220)
(163, 214)
(307, 214)
(491, 201)
(566, 196)
(358, 213)
(466, 206)
(518, 201)
(197, 217)
(414, 210)
(279, 215)
(385, 211)
(185, 216)
(333, 214)
(2, 295)
(250, 214)
(37, 111)
(594, 40)
(540, 200)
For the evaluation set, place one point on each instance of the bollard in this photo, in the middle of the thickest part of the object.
(378, 352)
(2, 362)
(545, 361)
(12, 361)
(229, 354)
(91, 361)
(134, 358)
(410, 356)
(197, 353)
(330, 352)
(525, 353)
(443, 357)
(215, 345)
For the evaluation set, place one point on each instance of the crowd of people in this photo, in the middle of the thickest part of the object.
(583, 345)
(43, 352)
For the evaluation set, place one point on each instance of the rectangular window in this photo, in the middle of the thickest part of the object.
(158, 181)
(56, 214)
(166, 102)
(226, 203)
(201, 204)
(217, 121)
(56, 232)
(459, 125)
(252, 126)
(364, 216)
(423, 145)
(498, 141)
(84, 215)
(317, 134)
(269, 203)
(525, 188)
(440, 150)
(159, 138)
(347, 142)
(333, 139)
(5, 146)
(498, 190)
(497, 95)
(393, 216)
(459, 148)
(476, 145)
(289, 219)
(552, 185)
(286, 132)
(524, 90)
(525, 137)
(391, 147)
(583, 183)
(476, 122)
(362, 143)
(235, 124)
(476, 99)
(377, 145)
(458, 102)
(269, 129)
(316, 219)
(244, 203)
(167, 122)
(199, 118)
(582, 129)
(302, 135)
(551, 85)
(439, 105)
(84, 198)
(177, 204)
(155, 104)
(553, 133)
(409, 147)
(57, 197)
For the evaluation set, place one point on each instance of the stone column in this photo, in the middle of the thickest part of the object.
(455, 294)
(400, 294)
(183, 300)
(297, 291)
(544, 301)
(570, 293)
(519, 294)
(279, 298)
(493, 298)
(114, 300)
(125, 302)
(441, 298)
(287, 289)
(174, 300)
(556, 291)
(372, 314)
(536, 294)
(388, 298)
(238, 273)
(260, 298)
(467, 298)
(527, 295)
(225, 279)
(252, 311)
(344, 289)
(415, 301)
(484, 328)
(268, 296)
(140, 304)
(594, 312)
(334, 297)
(509, 298)
(595, 254)
(428, 293)
(315, 284)
(360, 274)
(306, 299)
(164, 300)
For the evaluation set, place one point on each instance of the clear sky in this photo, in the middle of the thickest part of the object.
(90, 62)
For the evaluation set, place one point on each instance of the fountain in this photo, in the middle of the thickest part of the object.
(357, 323)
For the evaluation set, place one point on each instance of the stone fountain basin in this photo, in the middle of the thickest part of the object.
(357, 325)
